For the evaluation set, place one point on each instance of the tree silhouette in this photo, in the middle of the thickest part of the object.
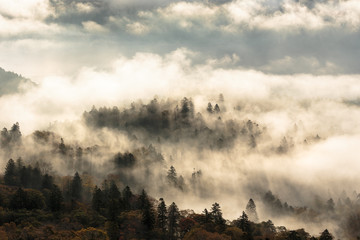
(251, 211)
(173, 221)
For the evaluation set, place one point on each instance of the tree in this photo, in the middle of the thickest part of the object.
(15, 134)
(162, 216)
(18, 200)
(216, 214)
(148, 213)
(47, 182)
(127, 197)
(97, 199)
(251, 211)
(172, 176)
(216, 108)
(209, 108)
(10, 176)
(114, 201)
(173, 221)
(325, 235)
(76, 187)
(244, 224)
(56, 199)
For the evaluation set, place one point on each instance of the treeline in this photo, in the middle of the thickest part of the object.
(44, 208)
(176, 122)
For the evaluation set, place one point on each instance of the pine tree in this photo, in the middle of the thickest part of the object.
(55, 199)
(148, 214)
(10, 176)
(162, 215)
(173, 221)
(251, 211)
(97, 199)
(114, 201)
(244, 224)
(127, 197)
(209, 108)
(216, 214)
(172, 176)
(217, 108)
(76, 187)
(18, 200)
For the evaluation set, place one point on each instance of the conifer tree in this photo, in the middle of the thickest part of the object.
(173, 221)
(162, 216)
(76, 187)
(251, 211)
(10, 176)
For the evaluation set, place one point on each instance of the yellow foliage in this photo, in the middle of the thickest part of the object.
(91, 234)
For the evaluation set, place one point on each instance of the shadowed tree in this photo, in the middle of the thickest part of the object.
(127, 197)
(10, 176)
(148, 214)
(162, 216)
(56, 199)
(173, 221)
(76, 187)
(97, 199)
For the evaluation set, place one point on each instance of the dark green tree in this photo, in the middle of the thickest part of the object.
(113, 204)
(162, 216)
(216, 214)
(47, 182)
(10, 176)
(55, 199)
(18, 200)
(148, 213)
(127, 198)
(244, 224)
(76, 187)
(173, 221)
(97, 200)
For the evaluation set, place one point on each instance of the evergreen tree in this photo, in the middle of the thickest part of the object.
(162, 215)
(148, 214)
(216, 214)
(217, 108)
(325, 235)
(209, 108)
(76, 187)
(56, 199)
(97, 199)
(244, 224)
(47, 182)
(4, 138)
(127, 197)
(10, 176)
(113, 201)
(15, 134)
(36, 178)
(18, 200)
(251, 211)
(172, 176)
(173, 221)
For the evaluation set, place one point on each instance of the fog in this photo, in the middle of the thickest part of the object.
(130, 84)
(317, 115)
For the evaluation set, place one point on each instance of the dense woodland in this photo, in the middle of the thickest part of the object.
(114, 199)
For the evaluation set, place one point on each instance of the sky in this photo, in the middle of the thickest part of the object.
(283, 62)
(117, 50)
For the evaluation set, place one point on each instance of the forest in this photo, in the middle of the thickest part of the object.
(54, 189)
